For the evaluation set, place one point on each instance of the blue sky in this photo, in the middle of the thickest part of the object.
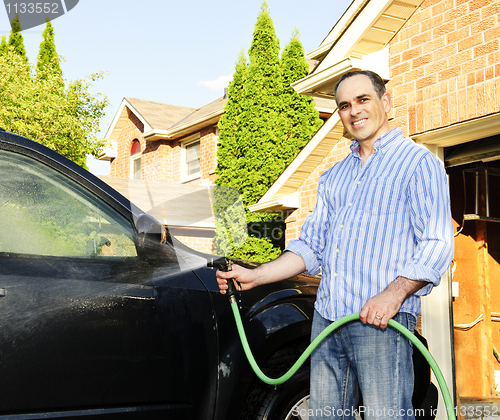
(179, 53)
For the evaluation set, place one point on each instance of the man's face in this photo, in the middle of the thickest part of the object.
(362, 112)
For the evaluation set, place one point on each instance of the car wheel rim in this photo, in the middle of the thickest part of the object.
(300, 410)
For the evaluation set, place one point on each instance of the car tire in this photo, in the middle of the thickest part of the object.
(287, 401)
(268, 402)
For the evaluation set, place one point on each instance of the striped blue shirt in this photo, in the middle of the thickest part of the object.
(374, 222)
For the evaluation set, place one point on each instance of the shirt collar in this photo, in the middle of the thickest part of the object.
(383, 142)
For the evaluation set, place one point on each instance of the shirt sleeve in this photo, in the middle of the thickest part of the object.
(313, 234)
(430, 215)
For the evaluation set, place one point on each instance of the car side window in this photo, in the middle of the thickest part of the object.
(46, 213)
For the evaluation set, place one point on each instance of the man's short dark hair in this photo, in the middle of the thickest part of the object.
(377, 81)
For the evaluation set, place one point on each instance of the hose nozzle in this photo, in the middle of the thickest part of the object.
(224, 264)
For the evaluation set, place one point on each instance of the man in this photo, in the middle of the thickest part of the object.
(382, 236)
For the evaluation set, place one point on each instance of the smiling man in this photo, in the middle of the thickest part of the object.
(381, 235)
(363, 105)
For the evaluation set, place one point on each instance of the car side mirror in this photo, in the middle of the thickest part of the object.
(150, 237)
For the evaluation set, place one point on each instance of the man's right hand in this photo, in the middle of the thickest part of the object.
(244, 278)
(285, 266)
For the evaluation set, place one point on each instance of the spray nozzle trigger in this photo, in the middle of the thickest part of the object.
(224, 264)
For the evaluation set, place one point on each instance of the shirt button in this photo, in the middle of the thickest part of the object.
(359, 182)
(334, 274)
(350, 204)
(337, 250)
(341, 226)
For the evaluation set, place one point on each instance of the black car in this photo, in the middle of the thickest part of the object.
(103, 313)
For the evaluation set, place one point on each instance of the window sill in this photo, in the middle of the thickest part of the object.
(191, 178)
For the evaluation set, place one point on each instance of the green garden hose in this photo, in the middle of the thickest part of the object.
(303, 357)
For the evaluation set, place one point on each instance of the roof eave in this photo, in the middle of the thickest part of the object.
(461, 132)
(108, 153)
(290, 202)
(196, 125)
(337, 30)
(322, 83)
(154, 135)
(316, 84)
(183, 130)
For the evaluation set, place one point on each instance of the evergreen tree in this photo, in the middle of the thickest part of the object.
(230, 126)
(247, 133)
(228, 154)
(16, 40)
(264, 127)
(3, 45)
(259, 140)
(48, 59)
(300, 118)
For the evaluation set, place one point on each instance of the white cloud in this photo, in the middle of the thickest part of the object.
(217, 84)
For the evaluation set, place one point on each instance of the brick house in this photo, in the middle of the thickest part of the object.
(155, 145)
(441, 60)
(165, 143)
(170, 150)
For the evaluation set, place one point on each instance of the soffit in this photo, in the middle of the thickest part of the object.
(376, 22)
(322, 83)
(388, 24)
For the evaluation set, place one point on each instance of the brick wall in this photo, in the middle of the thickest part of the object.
(201, 244)
(133, 129)
(445, 65)
(156, 160)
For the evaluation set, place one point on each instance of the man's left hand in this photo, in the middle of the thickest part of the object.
(382, 307)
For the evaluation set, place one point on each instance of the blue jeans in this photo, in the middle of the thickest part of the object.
(362, 358)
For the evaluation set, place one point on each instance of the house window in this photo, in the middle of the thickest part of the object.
(191, 167)
(135, 160)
